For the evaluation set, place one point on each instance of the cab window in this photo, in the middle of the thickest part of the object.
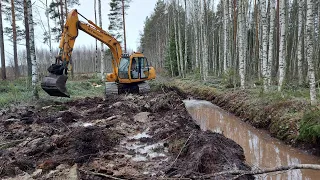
(124, 68)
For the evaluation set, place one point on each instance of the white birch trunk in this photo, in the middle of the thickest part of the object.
(180, 43)
(309, 45)
(241, 45)
(300, 39)
(204, 42)
(176, 40)
(102, 47)
(195, 24)
(33, 52)
(225, 33)
(264, 44)
(49, 29)
(271, 41)
(96, 51)
(282, 46)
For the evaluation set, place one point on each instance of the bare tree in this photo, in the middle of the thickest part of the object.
(102, 48)
(309, 45)
(271, 40)
(241, 13)
(185, 37)
(33, 52)
(180, 43)
(300, 40)
(282, 48)
(96, 52)
(3, 59)
(14, 33)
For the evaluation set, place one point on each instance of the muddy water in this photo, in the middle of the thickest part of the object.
(260, 149)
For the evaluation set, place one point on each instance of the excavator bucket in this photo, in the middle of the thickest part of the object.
(55, 85)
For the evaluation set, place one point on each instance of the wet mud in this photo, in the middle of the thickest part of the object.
(126, 136)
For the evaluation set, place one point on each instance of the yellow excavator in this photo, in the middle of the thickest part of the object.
(130, 72)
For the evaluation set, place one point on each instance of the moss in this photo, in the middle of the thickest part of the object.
(310, 126)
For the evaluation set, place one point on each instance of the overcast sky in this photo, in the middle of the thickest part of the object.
(136, 15)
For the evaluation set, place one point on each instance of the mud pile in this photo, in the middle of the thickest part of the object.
(126, 136)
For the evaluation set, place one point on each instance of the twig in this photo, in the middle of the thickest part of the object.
(240, 173)
(100, 174)
(181, 149)
(12, 142)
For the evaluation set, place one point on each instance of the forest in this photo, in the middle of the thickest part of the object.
(224, 89)
(249, 43)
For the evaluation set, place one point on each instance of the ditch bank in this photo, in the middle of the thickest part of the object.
(281, 117)
(122, 137)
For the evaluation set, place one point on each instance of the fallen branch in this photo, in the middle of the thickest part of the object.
(100, 174)
(181, 149)
(240, 173)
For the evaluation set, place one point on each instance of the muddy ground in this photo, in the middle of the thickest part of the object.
(126, 137)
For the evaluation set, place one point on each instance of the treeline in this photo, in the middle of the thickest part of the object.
(251, 42)
(32, 62)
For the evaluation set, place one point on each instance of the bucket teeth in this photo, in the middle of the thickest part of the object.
(55, 85)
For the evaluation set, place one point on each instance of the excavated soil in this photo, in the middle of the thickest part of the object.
(127, 137)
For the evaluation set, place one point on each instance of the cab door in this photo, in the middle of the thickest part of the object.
(143, 68)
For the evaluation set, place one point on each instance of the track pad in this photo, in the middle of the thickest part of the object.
(55, 85)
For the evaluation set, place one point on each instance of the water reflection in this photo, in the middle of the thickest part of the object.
(260, 149)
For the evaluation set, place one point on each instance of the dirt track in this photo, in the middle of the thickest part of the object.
(128, 136)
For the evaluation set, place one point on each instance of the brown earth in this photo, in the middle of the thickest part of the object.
(126, 136)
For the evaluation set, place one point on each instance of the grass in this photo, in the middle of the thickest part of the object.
(17, 91)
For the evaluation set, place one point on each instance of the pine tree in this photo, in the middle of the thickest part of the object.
(115, 18)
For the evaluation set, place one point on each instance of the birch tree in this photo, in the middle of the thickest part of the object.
(271, 41)
(300, 40)
(264, 44)
(185, 38)
(309, 44)
(180, 43)
(102, 47)
(3, 59)
(49, 29)
(225, 33)
(195, 27)
(241, 45)
(96, 51)
(176, 39)
(282, 46)
(33, 52)
(204, 41)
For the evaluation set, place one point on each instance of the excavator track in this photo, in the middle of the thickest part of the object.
(111, 88)
(144, 87)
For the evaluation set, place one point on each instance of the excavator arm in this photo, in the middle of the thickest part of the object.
(54, 84)
(70, 34)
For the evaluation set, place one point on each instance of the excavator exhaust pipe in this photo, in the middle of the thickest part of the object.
(55, 85)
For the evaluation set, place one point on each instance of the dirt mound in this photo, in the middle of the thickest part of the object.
(126, 136)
